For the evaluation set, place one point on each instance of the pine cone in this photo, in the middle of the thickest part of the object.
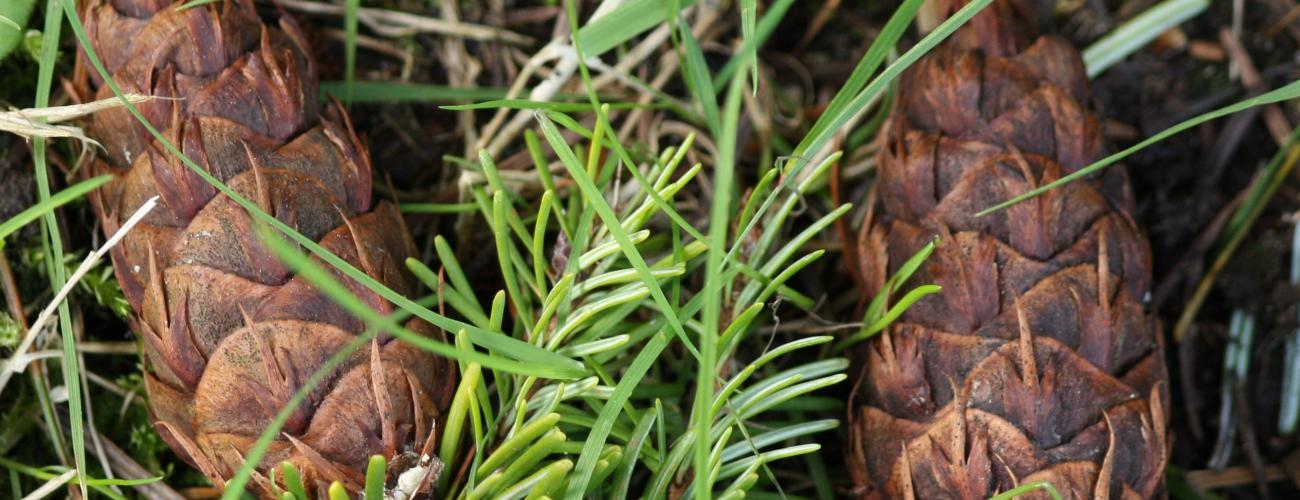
(1037, 361)
(229, 334)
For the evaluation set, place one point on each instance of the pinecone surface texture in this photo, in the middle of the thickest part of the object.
(228, 333)
(1037, 360)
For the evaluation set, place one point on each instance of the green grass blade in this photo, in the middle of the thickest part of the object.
(788, 251)
(767, 457)
(71, 368)
(49, 204)
(293, 481)
(448, 294)
(194, 3)
(778, 435)
(748, 16)
(540, 264)
(13, 17)
(597, 202)
(834, 119)
(623, 476)
(350, 8)
(1284, 93)
(871, 329)
(695, 72)
(376, 469)
(720, 216)
(761, 32)
(338, 492)
(458, 413)
(624, 22)
(561, 107)
(623, 156)
(533, 455)
(393, 92)
(516, 443)
(505, 248)
(1026, 488)
(454, 271)
(438, 208)
(1138, 32)
(591, 450)
(875, 56)
(739, 379)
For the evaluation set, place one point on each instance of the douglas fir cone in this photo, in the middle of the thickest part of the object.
(229, 334)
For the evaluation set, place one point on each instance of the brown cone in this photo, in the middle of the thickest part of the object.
(1037, 361)
(229, 334)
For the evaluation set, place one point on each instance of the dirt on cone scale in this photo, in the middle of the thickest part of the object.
(228, 333)
(1037, 361)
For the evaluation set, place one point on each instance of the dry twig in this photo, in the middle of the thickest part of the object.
(23, 122)
(392, 23)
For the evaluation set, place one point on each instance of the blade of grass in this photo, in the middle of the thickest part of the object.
(597, 202)
(1138, 32)
(504, 247)
(737, 381)
(588, 459)
(293, 480)
(695, 72)
(389, 92)
(1284, 93)
(875, 56)
(1026, 488)
(748, 15)
(540, 265)
(623, 476)
(70, 361)
(838, 114)
(456, 415)
(767, 457)
(720, 216)
(45, 206)
(438, 208)
(454, 271)
(350, 8)
(623, 156)
(620, 25)
(563, 107)
(778, 435)
(375, 471)
(775, 13)
(13, 17)
(659, 201)
(586, 465)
